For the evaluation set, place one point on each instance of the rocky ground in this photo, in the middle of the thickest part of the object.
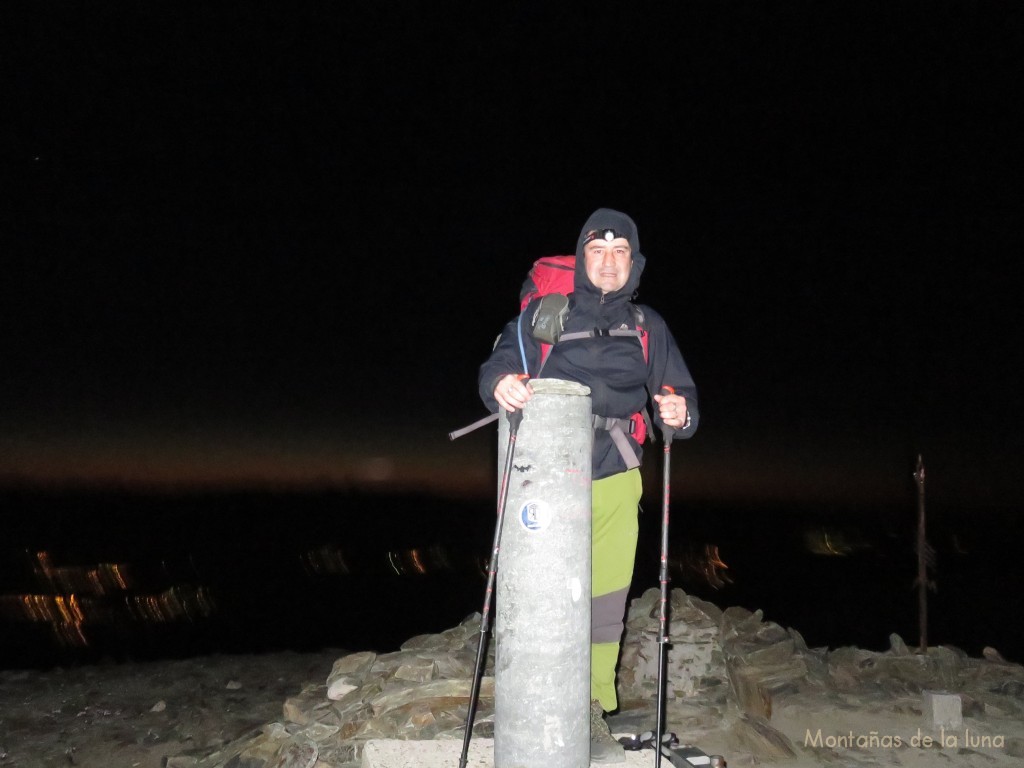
(739, 686)
(138, 714)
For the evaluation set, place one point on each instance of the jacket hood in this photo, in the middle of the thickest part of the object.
(606, 218)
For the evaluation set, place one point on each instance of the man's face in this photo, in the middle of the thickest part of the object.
(608, 263)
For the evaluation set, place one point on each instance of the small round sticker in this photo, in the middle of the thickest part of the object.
(535, 515)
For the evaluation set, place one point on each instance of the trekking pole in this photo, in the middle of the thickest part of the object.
(663, 606)
(515, 418)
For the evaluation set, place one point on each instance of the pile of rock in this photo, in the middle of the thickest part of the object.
(727, 671)
(418, 692)
(723, 670)
(716, 657)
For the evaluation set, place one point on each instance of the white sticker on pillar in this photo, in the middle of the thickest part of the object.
(535, 515)
(575, 589)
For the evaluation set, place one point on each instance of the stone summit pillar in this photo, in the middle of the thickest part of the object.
(542, 617)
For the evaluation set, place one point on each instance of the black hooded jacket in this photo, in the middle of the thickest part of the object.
(612, 366)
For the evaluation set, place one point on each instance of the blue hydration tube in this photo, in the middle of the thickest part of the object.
(522, 351)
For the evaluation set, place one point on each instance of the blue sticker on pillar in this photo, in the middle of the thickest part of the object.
(535, 515)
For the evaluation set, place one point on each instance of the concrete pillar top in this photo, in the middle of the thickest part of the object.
(559, 387)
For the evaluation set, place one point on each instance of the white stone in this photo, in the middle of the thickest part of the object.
(339, 688)
(942, 710)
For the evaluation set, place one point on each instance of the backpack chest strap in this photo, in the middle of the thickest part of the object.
(598, 332)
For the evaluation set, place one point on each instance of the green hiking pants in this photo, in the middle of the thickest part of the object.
(615, 527)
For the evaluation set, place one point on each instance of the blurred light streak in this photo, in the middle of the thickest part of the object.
(80, 598)
(73, 578)
(705, 564)
(117, 573)
(173, 604)
(417, 561)
(63, 613)
(827, 543)
(440, 558)
(326, 559)
(396, 563)
(714, 567)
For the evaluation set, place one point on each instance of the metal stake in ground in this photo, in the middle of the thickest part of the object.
(667, 434)
(515, 418)
(925, 561)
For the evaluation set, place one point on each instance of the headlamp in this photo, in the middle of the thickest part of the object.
(602, 234)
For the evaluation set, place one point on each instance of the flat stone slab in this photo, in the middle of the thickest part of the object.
(393, 753)
(942, 710)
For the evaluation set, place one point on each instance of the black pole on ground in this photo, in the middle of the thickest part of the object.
(922, 560)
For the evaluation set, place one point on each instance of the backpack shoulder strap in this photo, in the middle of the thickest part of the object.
(641, 325)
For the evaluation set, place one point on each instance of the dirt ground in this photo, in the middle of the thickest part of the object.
(134, 714)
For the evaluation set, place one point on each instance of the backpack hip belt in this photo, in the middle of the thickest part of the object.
(617, 430)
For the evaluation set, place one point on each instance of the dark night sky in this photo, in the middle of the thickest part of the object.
(245, 243)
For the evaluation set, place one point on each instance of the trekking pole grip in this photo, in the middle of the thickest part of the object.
(667, 432)
(515, 418)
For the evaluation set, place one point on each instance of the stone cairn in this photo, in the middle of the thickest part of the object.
(726, 671)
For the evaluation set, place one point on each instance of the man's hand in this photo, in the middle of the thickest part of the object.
(672, 409)
(512, 392)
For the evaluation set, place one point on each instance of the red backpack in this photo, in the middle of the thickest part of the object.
(549, 274)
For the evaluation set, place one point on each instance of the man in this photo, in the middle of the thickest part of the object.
(608, 269)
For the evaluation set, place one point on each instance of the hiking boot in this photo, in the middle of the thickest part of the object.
(603, 746)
